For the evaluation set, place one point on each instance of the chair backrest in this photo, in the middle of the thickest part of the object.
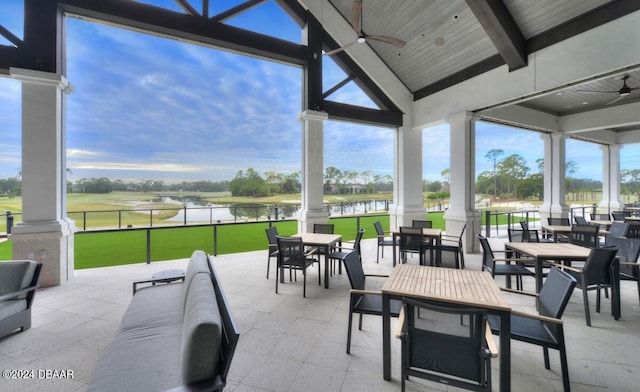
(324, 228)
(585, 235)
(354, 271)
(445, 341)
(554, 296)
(488, 259)
(600, 217)
(422, 224)
(618, 215)
(17, 275)
(618, 229)
(628, 248)
(597, 267)
(515, 235)
(291, 252)
(634, 229)
(580, 220)
(356, 242)
(379, 230)
(558, 221)
(272, 233)
(528, 235)
(411, 239)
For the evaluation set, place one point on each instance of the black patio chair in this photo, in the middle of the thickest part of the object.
(362, 300)
(422, 224)
(323, 228)
(507, 267)
(18, 284)
(619, 215)
(628, 253)
(445, 344)
(272, 234)
(580, 220)
(598, 273)
(291, 254)
(585, 235)
(382, 240)
(412, 241)
(343, 251)
(531, 235)
(603, 217)
(618, 229)
(558, 221)
(450, 246)
(544, 329)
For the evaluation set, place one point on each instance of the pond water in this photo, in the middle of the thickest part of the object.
(200, 211)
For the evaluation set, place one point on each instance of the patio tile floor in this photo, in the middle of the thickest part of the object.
(290, 343)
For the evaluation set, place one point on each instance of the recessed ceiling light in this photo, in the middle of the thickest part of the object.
(585, 103)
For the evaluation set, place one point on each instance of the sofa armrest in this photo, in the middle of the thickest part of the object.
(18, 293)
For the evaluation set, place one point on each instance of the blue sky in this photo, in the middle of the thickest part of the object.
(151, 108)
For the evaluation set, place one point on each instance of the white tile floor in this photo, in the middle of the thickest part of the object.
(290, 343)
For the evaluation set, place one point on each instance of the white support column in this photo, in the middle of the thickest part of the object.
(407, 188)
(45, 233)
(610, 179)
(554, 177)
(462, 180)
(312, 210)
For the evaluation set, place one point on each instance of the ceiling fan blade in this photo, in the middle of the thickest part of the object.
(340, 49)
(389, 40)
(615, 100)
(598, 91)
(356, 15)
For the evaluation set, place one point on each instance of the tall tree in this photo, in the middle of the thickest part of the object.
(492, 156)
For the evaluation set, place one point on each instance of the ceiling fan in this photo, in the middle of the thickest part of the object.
(623, 92)
(356, 23)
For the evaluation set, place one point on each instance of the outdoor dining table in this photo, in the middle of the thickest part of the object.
(543, 251)
(557, 230)
(321, 240)
(449, 286)
(429, 233)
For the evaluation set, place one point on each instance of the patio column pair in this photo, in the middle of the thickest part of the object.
(45, 234)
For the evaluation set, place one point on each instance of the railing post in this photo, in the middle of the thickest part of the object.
(151, 217)
(119, 219)
(185, 215)
(9, 222)
(84, 220)
(277, 212)
(487, 223)
(215, 240)
(148, 246)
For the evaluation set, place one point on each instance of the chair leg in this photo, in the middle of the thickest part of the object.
(598, 300)
(585, 298)
(360, 322)
(268, 263)
(277, 277)
(319, 275)
(349, 331)
(545, 353)
(563, 363)
(304, 283)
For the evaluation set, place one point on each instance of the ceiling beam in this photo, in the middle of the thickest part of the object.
(195, 29)
(345, 112)
(498, 23)
(237, 10)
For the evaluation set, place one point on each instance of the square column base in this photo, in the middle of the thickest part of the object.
(455, 223)
(49, 243)
(309, 217)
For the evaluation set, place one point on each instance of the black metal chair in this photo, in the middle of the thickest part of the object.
(323, 228)
(445, 344)
(580, 220)
(558, 221)
(507, 267)
(628, 253)
(272, 234)
(599, 272)
(412, 241)
(18, 284)
(343, 251)
(361, 300)
(382, 240)
(544, 329)
(585, 235)
(618, 229)
(291, 254)
(619, 215)
(531, 235)
(450, 245)
(600, 217)
(422, 224)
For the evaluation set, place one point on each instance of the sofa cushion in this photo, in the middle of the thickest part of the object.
(202, 331)
(161, 304)
(198, 263)
(10, 307)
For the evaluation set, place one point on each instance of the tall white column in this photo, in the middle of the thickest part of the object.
(610, 179)
(407, 188)
(312, 210)
(462, 180)
(45, 233)
(554, 177)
